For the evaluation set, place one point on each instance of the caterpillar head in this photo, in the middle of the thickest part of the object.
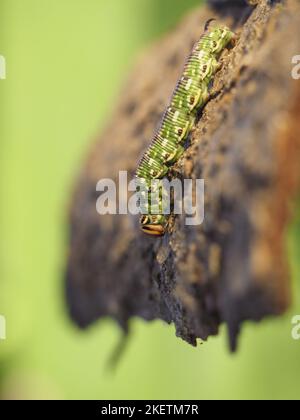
(153, 224)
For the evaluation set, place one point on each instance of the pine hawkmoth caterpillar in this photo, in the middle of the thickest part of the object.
(190, 95)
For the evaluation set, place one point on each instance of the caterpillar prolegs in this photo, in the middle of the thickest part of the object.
(190, 95)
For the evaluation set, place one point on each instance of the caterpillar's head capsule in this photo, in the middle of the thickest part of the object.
(154, 225)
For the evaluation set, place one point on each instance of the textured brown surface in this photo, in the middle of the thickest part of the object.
(246, 146)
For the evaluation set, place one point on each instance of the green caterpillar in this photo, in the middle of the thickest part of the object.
(190, 95)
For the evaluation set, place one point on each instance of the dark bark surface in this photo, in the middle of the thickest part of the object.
(246, 146)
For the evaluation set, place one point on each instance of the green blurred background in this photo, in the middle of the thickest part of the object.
(66, 61)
